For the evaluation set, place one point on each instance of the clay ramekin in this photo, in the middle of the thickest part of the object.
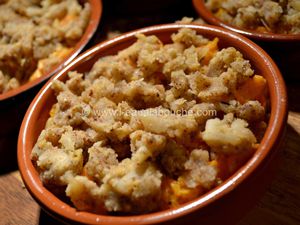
(283, 48)
(209, 17)
(14, 103)
(96, 12)
(224, 204)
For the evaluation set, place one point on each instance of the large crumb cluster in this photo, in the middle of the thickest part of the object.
(35, 36)
(276, 16)
(152, 127)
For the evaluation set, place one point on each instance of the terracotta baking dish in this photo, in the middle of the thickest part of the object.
(224, 204)
(210, 18)
(279, 46)
(14, 103)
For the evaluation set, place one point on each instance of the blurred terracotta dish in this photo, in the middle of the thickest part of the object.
(54, 34)
(254, 33)
(267, 16)
(21, 76)
(39, 110)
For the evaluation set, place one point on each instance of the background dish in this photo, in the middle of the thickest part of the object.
(14, 103)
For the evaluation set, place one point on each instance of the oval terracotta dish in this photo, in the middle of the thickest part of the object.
(208, 16)
(225, 203)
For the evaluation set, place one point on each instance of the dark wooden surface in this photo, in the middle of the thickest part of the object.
(279, 206)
